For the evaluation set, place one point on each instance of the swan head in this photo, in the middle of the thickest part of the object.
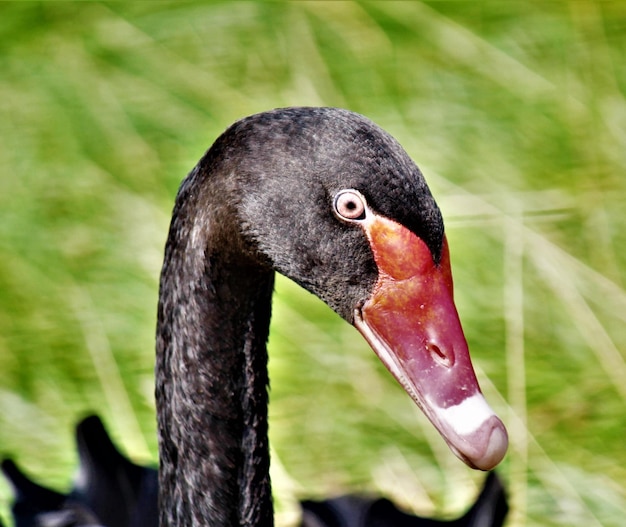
(329, 199)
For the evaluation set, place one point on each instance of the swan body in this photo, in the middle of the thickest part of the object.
(112, 491)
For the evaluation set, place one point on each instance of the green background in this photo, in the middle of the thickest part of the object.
(516, 113)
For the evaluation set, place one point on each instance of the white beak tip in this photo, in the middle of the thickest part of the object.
(495, 440)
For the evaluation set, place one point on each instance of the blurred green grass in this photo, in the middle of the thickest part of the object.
(514, 110)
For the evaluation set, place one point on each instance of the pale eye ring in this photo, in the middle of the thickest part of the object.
(350, 205)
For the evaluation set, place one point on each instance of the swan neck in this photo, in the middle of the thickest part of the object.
(211, 375)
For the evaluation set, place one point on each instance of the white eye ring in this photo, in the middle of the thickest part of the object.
(350, 205)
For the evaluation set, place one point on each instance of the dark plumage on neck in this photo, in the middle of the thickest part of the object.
(260, 200)
(211, 371)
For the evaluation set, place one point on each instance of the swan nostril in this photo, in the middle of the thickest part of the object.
(439, 355)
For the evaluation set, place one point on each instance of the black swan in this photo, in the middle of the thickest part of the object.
(330, 200)
(112, 491)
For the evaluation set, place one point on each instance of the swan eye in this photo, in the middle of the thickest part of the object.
(350, 205)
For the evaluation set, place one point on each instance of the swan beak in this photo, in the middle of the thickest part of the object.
(411, 322)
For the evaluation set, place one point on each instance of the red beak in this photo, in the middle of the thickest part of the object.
(411, 322)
